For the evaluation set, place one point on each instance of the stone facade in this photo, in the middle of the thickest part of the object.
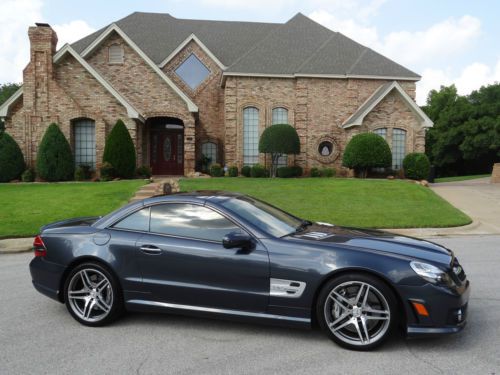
(65, 91)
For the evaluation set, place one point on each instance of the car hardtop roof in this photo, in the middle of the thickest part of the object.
(196, 195)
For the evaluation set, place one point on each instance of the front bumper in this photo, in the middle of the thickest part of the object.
(447, 309)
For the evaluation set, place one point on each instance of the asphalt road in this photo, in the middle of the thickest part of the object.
(38, 336)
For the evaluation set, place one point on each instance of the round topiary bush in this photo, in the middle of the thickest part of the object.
(278, 140)
(216, 170)
(365, 151)
(54, 161)
(416, 166)
(11, 158)
(246, 171)
(232, 171)
(119, 151)
(258, 170)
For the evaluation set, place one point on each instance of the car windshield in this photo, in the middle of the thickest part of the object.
(267, 218)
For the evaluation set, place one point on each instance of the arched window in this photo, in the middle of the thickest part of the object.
(398, 148)
(382, 132)
(209, 149)
(250, 136)
(115, 54)
(84, 142)
(280, 116)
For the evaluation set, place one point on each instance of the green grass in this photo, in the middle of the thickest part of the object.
(351, 202)
(24, 208)
(461, 178)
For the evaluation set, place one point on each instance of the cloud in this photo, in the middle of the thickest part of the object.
(15, 18)
(247, 4)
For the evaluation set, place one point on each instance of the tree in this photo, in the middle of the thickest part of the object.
(11, 158)
(6, 91)
(119, 151)
(54, 160)
(416, 166)
(277, 140)
(365, 151)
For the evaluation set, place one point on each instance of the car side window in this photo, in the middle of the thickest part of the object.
(190, 220)
(138, 221)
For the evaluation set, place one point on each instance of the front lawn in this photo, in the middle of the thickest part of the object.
(351, 202)
(461, 178)
(24, 208)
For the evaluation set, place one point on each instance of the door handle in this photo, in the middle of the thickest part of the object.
(150, 250)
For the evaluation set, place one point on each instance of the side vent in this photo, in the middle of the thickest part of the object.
(286, 288)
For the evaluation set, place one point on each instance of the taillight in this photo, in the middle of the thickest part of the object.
(39, 247)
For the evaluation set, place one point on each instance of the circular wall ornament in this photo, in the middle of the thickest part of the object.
(326, 149)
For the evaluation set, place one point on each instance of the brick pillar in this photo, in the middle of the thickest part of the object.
(189, 145)
(231, 141)
(301, 119)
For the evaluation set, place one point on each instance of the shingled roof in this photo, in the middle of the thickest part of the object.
(298, 47)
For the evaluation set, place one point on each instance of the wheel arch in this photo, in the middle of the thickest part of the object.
(80, 260)
(336, 273)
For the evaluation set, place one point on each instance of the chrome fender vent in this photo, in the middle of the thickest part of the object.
(286, 288)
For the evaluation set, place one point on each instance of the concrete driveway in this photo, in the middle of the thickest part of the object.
(478, 198)
(37, 336)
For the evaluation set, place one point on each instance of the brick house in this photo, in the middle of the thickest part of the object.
(187, 88)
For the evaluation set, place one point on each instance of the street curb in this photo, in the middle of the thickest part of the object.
(464, 230)
(16, 245)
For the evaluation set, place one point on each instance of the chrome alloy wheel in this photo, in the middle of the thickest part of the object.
(357, 313)
(90, 295)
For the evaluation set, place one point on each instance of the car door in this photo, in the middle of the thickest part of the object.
(182, 260)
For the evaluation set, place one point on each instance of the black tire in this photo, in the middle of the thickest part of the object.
(364, 325)
(103, 303)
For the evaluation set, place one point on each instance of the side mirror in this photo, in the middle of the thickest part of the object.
(237, 240)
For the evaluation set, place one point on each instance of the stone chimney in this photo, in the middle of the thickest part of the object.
(39, 72)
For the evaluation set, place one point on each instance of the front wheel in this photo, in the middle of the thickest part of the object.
(357, 311)
(92, 295)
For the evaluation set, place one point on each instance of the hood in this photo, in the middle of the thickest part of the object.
(375, 240)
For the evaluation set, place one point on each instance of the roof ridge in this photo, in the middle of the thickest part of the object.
(357, 60)
(323, 45)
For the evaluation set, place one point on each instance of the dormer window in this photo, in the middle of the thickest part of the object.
(115, 55)
(192, 71)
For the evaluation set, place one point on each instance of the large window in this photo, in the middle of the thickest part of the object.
(382, 132)
(280, 116)
(192, 71)
(115, 52)
(138, 221)
(209, 149)
(84, 140)
(189, 220)
(250, 136)
(398, 148)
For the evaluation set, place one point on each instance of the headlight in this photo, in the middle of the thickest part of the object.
(431, 273)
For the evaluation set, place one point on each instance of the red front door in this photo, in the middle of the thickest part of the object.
(167, 151)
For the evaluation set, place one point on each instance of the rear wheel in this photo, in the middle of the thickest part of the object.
(92, 295)
(357, 311)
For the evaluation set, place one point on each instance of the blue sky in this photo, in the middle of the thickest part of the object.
(444, 41)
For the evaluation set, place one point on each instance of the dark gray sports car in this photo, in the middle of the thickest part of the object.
(225, 254)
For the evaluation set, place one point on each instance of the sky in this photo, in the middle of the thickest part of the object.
(446, 42)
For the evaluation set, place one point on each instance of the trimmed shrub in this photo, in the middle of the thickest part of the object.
(82, 172)
(11, 158)
(287, 172)
(365, 151)
(278, 140)
(328, 172)
(216, 170)
(55, 161)
(246, 171)
(144, 172)
(232, 171)
(258, 170)
(119, 151)
(28, 175)
(315, 172)
(416, 166)
(107, 171)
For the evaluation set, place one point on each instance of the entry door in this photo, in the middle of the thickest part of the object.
(167, 152)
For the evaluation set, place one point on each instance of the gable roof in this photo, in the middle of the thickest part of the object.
(356, 119)
(4, 108)
(299, 47)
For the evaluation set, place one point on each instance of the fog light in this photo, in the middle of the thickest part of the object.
(459, 315)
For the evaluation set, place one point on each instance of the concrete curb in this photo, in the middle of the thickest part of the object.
(16, 245)
(474, 228)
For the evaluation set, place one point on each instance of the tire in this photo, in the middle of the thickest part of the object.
(354, 320)
(93, 295)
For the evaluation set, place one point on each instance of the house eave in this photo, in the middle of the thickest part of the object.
(5, 107)
(331, 76)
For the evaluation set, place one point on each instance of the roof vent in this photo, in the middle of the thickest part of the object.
(40, 24)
